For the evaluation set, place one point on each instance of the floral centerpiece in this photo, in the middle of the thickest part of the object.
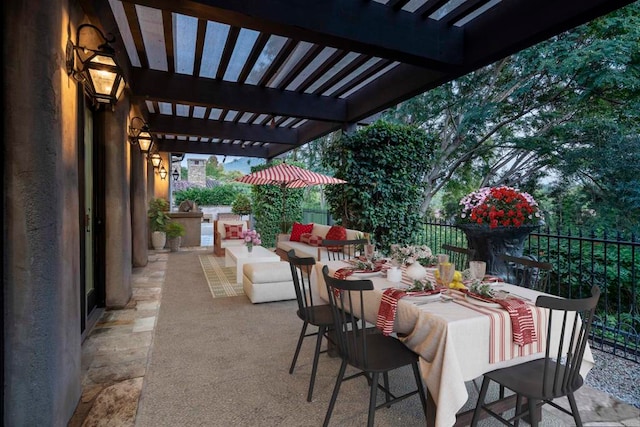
(407, 255)
(251, 238)
(499, 206)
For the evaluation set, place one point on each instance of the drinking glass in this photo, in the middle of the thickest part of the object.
(446, 271)
(442, 258)
(478, 269)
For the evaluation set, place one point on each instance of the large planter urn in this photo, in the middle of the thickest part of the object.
(490, 243)
(158, 240)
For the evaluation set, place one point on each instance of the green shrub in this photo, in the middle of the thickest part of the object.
(241, 205)
(221, 195)
(174, 229)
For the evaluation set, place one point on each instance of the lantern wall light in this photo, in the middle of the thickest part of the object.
(140, 135)
(163, 173)
(156, 160)
(97, 70)
(175, 174)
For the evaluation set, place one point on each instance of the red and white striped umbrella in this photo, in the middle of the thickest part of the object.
(288, 176)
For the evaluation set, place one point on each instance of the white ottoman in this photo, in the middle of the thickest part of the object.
(268, 281)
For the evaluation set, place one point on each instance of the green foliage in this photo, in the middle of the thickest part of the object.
(223, 194)
(241, 205)
(268, 207)
(158, 214)
(174, 229)
(384, 166)
(566, 107)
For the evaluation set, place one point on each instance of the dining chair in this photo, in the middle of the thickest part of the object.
(366, 349)
(460, 257)
(338, 250)
(528, 273)
(311, 314)
(555, 375)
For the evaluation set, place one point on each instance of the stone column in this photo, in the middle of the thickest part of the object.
(40, 217)
(139, 233)
(117, 221)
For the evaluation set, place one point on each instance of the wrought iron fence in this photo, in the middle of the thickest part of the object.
(580, 261)
(610, 261)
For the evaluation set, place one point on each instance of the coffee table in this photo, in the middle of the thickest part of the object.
(239, 255)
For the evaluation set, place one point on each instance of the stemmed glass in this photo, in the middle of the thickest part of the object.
(446, 271)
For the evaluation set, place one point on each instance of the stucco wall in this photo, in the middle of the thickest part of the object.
(40, 218)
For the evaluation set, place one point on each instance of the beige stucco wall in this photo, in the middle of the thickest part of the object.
(42, 341)
(41, 220)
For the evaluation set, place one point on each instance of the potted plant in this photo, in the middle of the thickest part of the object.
(241, 205)
(174, 231)
(496, 221)
(158, 219)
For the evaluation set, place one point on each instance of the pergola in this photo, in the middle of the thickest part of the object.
(258, 78)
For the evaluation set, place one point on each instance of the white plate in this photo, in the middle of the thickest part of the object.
(477, 301)
(420, 298)
(366, 275)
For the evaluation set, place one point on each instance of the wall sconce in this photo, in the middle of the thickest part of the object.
(98, 70)
(141, 135)
(163, 173)
(175, 174)
(156, 160)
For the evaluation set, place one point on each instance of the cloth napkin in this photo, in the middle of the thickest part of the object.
(524, 331)
(343, 273)
(389, 304)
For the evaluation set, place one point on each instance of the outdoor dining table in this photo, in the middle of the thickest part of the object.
(457, 340)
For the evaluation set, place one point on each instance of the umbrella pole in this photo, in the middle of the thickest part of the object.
(283, 225)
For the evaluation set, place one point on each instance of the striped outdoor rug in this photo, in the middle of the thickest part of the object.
(221, 279)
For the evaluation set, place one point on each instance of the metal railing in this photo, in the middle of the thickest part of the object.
(580, 261)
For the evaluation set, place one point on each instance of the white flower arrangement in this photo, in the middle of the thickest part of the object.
(405, 255)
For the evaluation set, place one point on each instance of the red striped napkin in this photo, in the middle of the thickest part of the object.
(389, 304)
(524, 331)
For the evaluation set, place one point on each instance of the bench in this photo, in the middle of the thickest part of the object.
(268, 281)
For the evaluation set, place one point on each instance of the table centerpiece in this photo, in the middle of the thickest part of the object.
(251, 238)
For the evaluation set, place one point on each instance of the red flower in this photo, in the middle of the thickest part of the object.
(499, 206)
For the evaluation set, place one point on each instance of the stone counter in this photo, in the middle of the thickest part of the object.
(191, 222)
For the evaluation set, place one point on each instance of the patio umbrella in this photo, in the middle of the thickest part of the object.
(288, 176)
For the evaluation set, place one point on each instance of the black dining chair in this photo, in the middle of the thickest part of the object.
(338, 250)
(460, 257)
(311, 314)
(528, 272)
(366, 349)
(555, 375)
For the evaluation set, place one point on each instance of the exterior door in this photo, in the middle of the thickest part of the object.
(91, 292)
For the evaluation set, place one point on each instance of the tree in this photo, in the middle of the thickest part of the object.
(214, 169)
(384, 166)
(515, 120)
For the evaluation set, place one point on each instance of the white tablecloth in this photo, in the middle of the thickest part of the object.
(451, 339)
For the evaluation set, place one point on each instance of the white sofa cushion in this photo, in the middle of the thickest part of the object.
(268, 281)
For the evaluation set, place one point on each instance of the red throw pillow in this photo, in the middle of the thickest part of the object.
(298, 229)
(232, 231)
(336, 232)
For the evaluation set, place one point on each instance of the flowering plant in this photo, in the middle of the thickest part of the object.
(251, 237)
(410, 254)
(499, 206)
